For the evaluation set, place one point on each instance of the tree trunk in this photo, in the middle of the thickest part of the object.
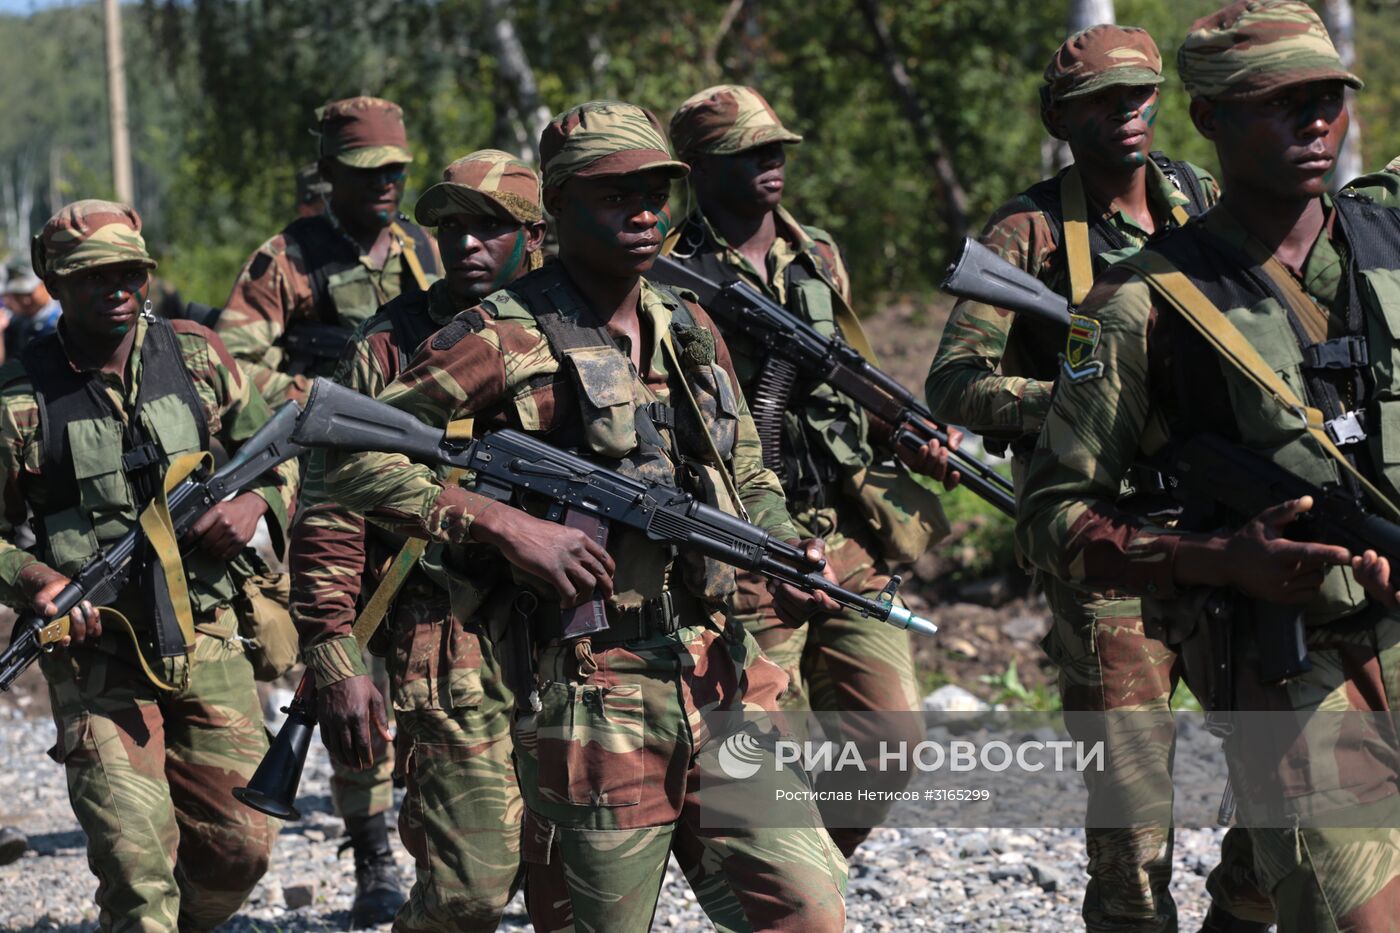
(517, 73)
(1337, 15)
(951, 192)
(1055, 154)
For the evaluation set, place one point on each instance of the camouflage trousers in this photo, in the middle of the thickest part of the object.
(151, 778)
(1328, 879)
(1107, 664)
(461, 815)
(369, 792)
(608, 769)
(841, 663)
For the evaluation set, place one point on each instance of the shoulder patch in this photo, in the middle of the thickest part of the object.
(1083, 342)
(468, 322)
(259, 266)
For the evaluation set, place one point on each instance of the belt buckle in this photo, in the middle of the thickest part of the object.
(1345, 429)
(660, 614)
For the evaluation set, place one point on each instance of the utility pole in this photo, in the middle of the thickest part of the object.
(116, 101)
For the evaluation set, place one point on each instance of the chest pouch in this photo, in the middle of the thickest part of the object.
(607, 408)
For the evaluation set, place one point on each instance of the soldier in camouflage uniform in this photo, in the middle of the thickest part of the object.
(739, 230)
(461, 818)
(993, 374)
(296, 303)
(158, 724)
(303, 292)
(1267, 88)
(587, 354)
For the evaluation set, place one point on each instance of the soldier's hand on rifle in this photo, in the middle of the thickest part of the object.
(1372, 571)
(227, 528)
(565, 558)
(45, 584)
(932, 458)
(354, 726)
(1259, 561)
(795, 605)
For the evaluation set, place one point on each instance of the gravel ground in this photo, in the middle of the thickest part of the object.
(902, 879)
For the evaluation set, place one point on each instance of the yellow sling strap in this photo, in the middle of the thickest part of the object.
(673, 360)
(160, 532)
(1074, 210)
(851, 331)
(404, 561)
(1198, 310)
(410, 255)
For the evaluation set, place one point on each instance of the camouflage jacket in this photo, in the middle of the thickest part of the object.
(274, 291)
(1159, 383)
(829, 421)
(964, 385)
(331, 556)
(493, 364)
(233, 411)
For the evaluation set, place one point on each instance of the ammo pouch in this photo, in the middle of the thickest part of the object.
(906, 516)
(262, 606)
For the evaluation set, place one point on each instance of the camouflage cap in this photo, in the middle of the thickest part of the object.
(88, 234)
(604, 137)
(489, 182)
(1254, 47)
(1099, 57)
(726, 119)
(364, 132)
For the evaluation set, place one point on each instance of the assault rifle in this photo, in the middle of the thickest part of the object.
(100, 580)
(796, 347)
(506, 464)
(1208, 468)
(982, 275)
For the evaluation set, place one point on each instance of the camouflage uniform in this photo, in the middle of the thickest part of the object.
(1120, 402)
(842, 662)
(312, 272)
(150, 771)
(607, 759)
(452, 708)
(994, 373)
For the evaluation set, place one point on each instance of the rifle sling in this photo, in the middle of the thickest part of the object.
(410, 256)
(404, 561)
(1079, 256)
(673, 360)
(160, 534)
(1198, 311)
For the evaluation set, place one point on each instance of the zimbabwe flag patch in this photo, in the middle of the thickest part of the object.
(1083, 342)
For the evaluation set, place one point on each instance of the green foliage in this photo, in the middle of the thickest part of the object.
(986, 546)
(223, 93)
(1008, 689)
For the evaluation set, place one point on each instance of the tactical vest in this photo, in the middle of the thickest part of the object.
(1036, 344)
(344, 292)
(621, 424)
(411, 323)
(808, 465)
(1366, 359)
(97, 473)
